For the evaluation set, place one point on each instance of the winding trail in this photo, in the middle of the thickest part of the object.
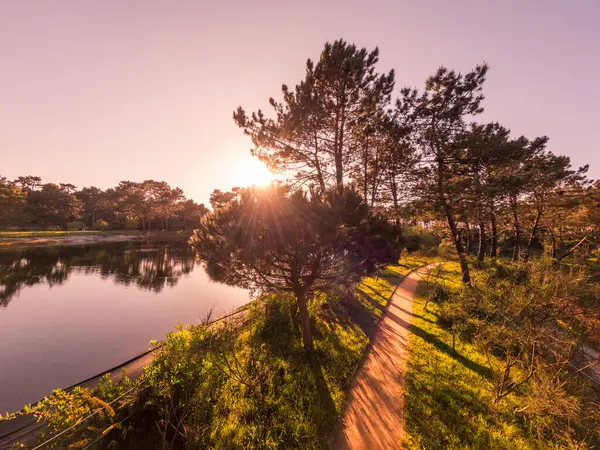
(374, 414)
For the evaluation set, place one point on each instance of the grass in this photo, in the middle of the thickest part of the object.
(449, 394)
(15, 240)
(250, 386)
(408, 263)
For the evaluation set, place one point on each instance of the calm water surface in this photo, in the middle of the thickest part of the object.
(69, 313)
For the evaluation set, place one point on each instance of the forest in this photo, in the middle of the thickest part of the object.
(378, 181)
(28, 204)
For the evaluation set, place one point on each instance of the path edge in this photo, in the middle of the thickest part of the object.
(366, 352)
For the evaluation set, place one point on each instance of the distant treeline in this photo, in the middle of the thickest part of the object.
(26, 202)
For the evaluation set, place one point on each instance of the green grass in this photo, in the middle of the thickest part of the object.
(408, 263)
(244, 386)
(449, 393)
(247, 387)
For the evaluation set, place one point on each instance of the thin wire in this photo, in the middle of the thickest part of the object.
(103, 433)
(56, 436)
(99, 437)
(239, 310)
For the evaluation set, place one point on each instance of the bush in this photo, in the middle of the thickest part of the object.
(131, 223)
(101, 224)
(511, 380)
(76, 225)
(414, 240)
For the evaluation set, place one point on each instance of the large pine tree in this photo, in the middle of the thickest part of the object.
(320, 125)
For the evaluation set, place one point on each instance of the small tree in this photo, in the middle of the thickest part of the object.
(276, 240)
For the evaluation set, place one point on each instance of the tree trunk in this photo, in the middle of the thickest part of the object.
(366, 172)
(375, 179)
(481, 250)
(534, 229)
(464, 265)
(394, 189)
(553, 241)
(305, 321)
(339, 150)
(494, 249)
(571, 250)
(320, 178)
(468, 242)
(515, 211)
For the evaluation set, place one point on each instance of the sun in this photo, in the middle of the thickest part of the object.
(254, 172)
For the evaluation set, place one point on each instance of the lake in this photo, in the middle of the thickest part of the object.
(69, 313)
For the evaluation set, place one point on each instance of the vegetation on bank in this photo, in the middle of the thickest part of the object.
(495, 365)
(240, 383)
(55, 233)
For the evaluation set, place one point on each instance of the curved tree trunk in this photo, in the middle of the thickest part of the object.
(464, 265)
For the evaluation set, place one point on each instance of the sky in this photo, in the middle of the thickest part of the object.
(93, 93)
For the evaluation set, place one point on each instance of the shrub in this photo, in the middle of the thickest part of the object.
(414, 240)
(131, 223)
(75, 225)
(101, 224)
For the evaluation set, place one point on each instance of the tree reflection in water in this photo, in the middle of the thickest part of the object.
(147, 266)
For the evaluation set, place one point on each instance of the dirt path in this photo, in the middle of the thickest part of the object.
(374, 414)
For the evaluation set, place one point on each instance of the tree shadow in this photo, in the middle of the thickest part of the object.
(324, 398)
(358, 309)
(412, 314)
(442, 346)
(391, 277)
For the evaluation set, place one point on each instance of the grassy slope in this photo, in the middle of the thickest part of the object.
(342, 333)
(448, 394)
(301, 401)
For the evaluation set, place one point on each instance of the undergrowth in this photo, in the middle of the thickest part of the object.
(452, 397)
(244, 383)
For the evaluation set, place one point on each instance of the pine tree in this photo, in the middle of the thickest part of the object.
(319, 126)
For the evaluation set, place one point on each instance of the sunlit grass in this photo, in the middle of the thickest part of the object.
(449, 393)
(408, 263)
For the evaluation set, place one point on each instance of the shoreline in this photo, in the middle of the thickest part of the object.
(24, 428)
(80, 238)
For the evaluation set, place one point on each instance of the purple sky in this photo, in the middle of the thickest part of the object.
(97, 92)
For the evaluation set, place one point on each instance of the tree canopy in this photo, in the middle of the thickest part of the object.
(281, 240)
